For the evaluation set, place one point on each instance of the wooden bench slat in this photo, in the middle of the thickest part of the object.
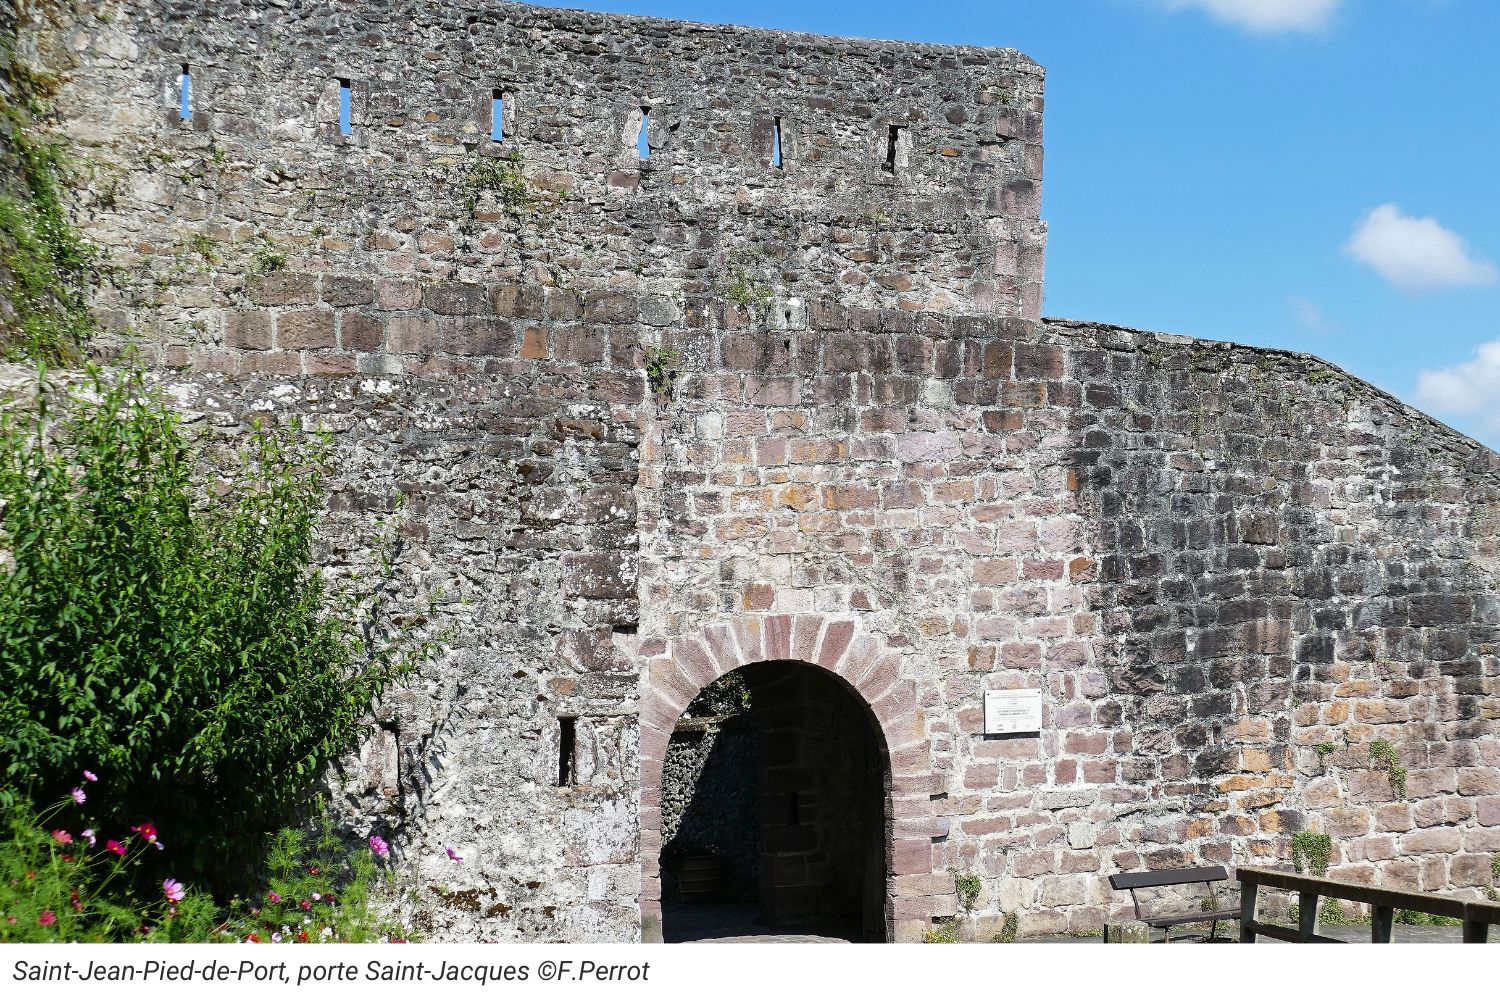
(1171, 920)
(1170, 876)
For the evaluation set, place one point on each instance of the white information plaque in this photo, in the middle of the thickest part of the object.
(1018, 711)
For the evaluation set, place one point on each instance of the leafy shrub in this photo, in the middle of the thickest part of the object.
(185, 649)
(725, 697)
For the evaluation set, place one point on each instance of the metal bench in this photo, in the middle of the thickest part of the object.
(1134, 881)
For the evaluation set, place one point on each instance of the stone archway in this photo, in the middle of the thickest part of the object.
(870, 669)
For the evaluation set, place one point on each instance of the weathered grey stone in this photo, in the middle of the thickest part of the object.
(857, 447)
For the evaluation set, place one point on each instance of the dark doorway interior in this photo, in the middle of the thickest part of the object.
(773, 800)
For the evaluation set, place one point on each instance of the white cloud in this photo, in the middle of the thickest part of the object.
(1469, 387)
(1416, 255)
(1265, 16)
(1309, 314)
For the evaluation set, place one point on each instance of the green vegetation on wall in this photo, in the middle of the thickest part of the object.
(1386, 756)
(45, 266)
(1312, 852)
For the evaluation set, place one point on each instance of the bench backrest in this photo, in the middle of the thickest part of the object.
(1169, 876)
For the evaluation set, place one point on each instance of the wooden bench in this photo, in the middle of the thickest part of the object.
(1134, 881)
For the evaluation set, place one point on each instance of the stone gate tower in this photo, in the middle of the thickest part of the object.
(698, 348)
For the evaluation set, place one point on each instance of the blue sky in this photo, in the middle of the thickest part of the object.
(1318, 175)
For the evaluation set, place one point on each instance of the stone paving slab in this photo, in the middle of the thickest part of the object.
(1352, 933)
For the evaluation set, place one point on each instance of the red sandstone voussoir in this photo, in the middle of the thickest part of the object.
(696, 667)
(859, 660)
(883, 673)
(778, 637)
(719, 641)
(806, 631)
(836, 638)
(896, 705)
(747, 635)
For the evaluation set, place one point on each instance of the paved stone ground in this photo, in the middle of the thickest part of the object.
(1356, 933)
(736, 923)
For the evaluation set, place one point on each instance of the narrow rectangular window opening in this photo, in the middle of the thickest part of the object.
(891, 140)
(497, 116)
(643, 141)
(776, 144)
(185, 93)
(346, 124)
(567, 739)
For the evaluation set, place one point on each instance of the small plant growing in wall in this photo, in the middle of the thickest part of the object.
(743, 285)
(1388, 758)
(1324, 750)
(944, 931)
(265, 258)
(1311, 852)
(968, 886)
(503, 177)
(1008, 929)
(661, 371)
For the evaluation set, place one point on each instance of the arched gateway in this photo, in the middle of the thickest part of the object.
(869, 671)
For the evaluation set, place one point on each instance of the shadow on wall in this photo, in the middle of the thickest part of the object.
(710, 792)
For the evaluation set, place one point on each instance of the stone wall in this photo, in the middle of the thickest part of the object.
(656, 421)
(710, 802)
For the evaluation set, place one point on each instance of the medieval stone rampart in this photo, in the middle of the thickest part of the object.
(655, 420)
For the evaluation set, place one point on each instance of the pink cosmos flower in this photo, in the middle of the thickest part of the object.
(78, 796)
(174, 890)
(146, 830)
(62, 836)
(379, 846)
(274, 897)
(89, 836)
(47, 919)
(89, 775)
(115, 846)
(453, 856)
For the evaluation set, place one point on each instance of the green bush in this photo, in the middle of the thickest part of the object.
(184, 648)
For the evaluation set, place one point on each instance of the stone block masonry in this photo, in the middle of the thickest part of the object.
(662, 418)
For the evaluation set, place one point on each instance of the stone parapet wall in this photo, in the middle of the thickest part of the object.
(261, 172)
